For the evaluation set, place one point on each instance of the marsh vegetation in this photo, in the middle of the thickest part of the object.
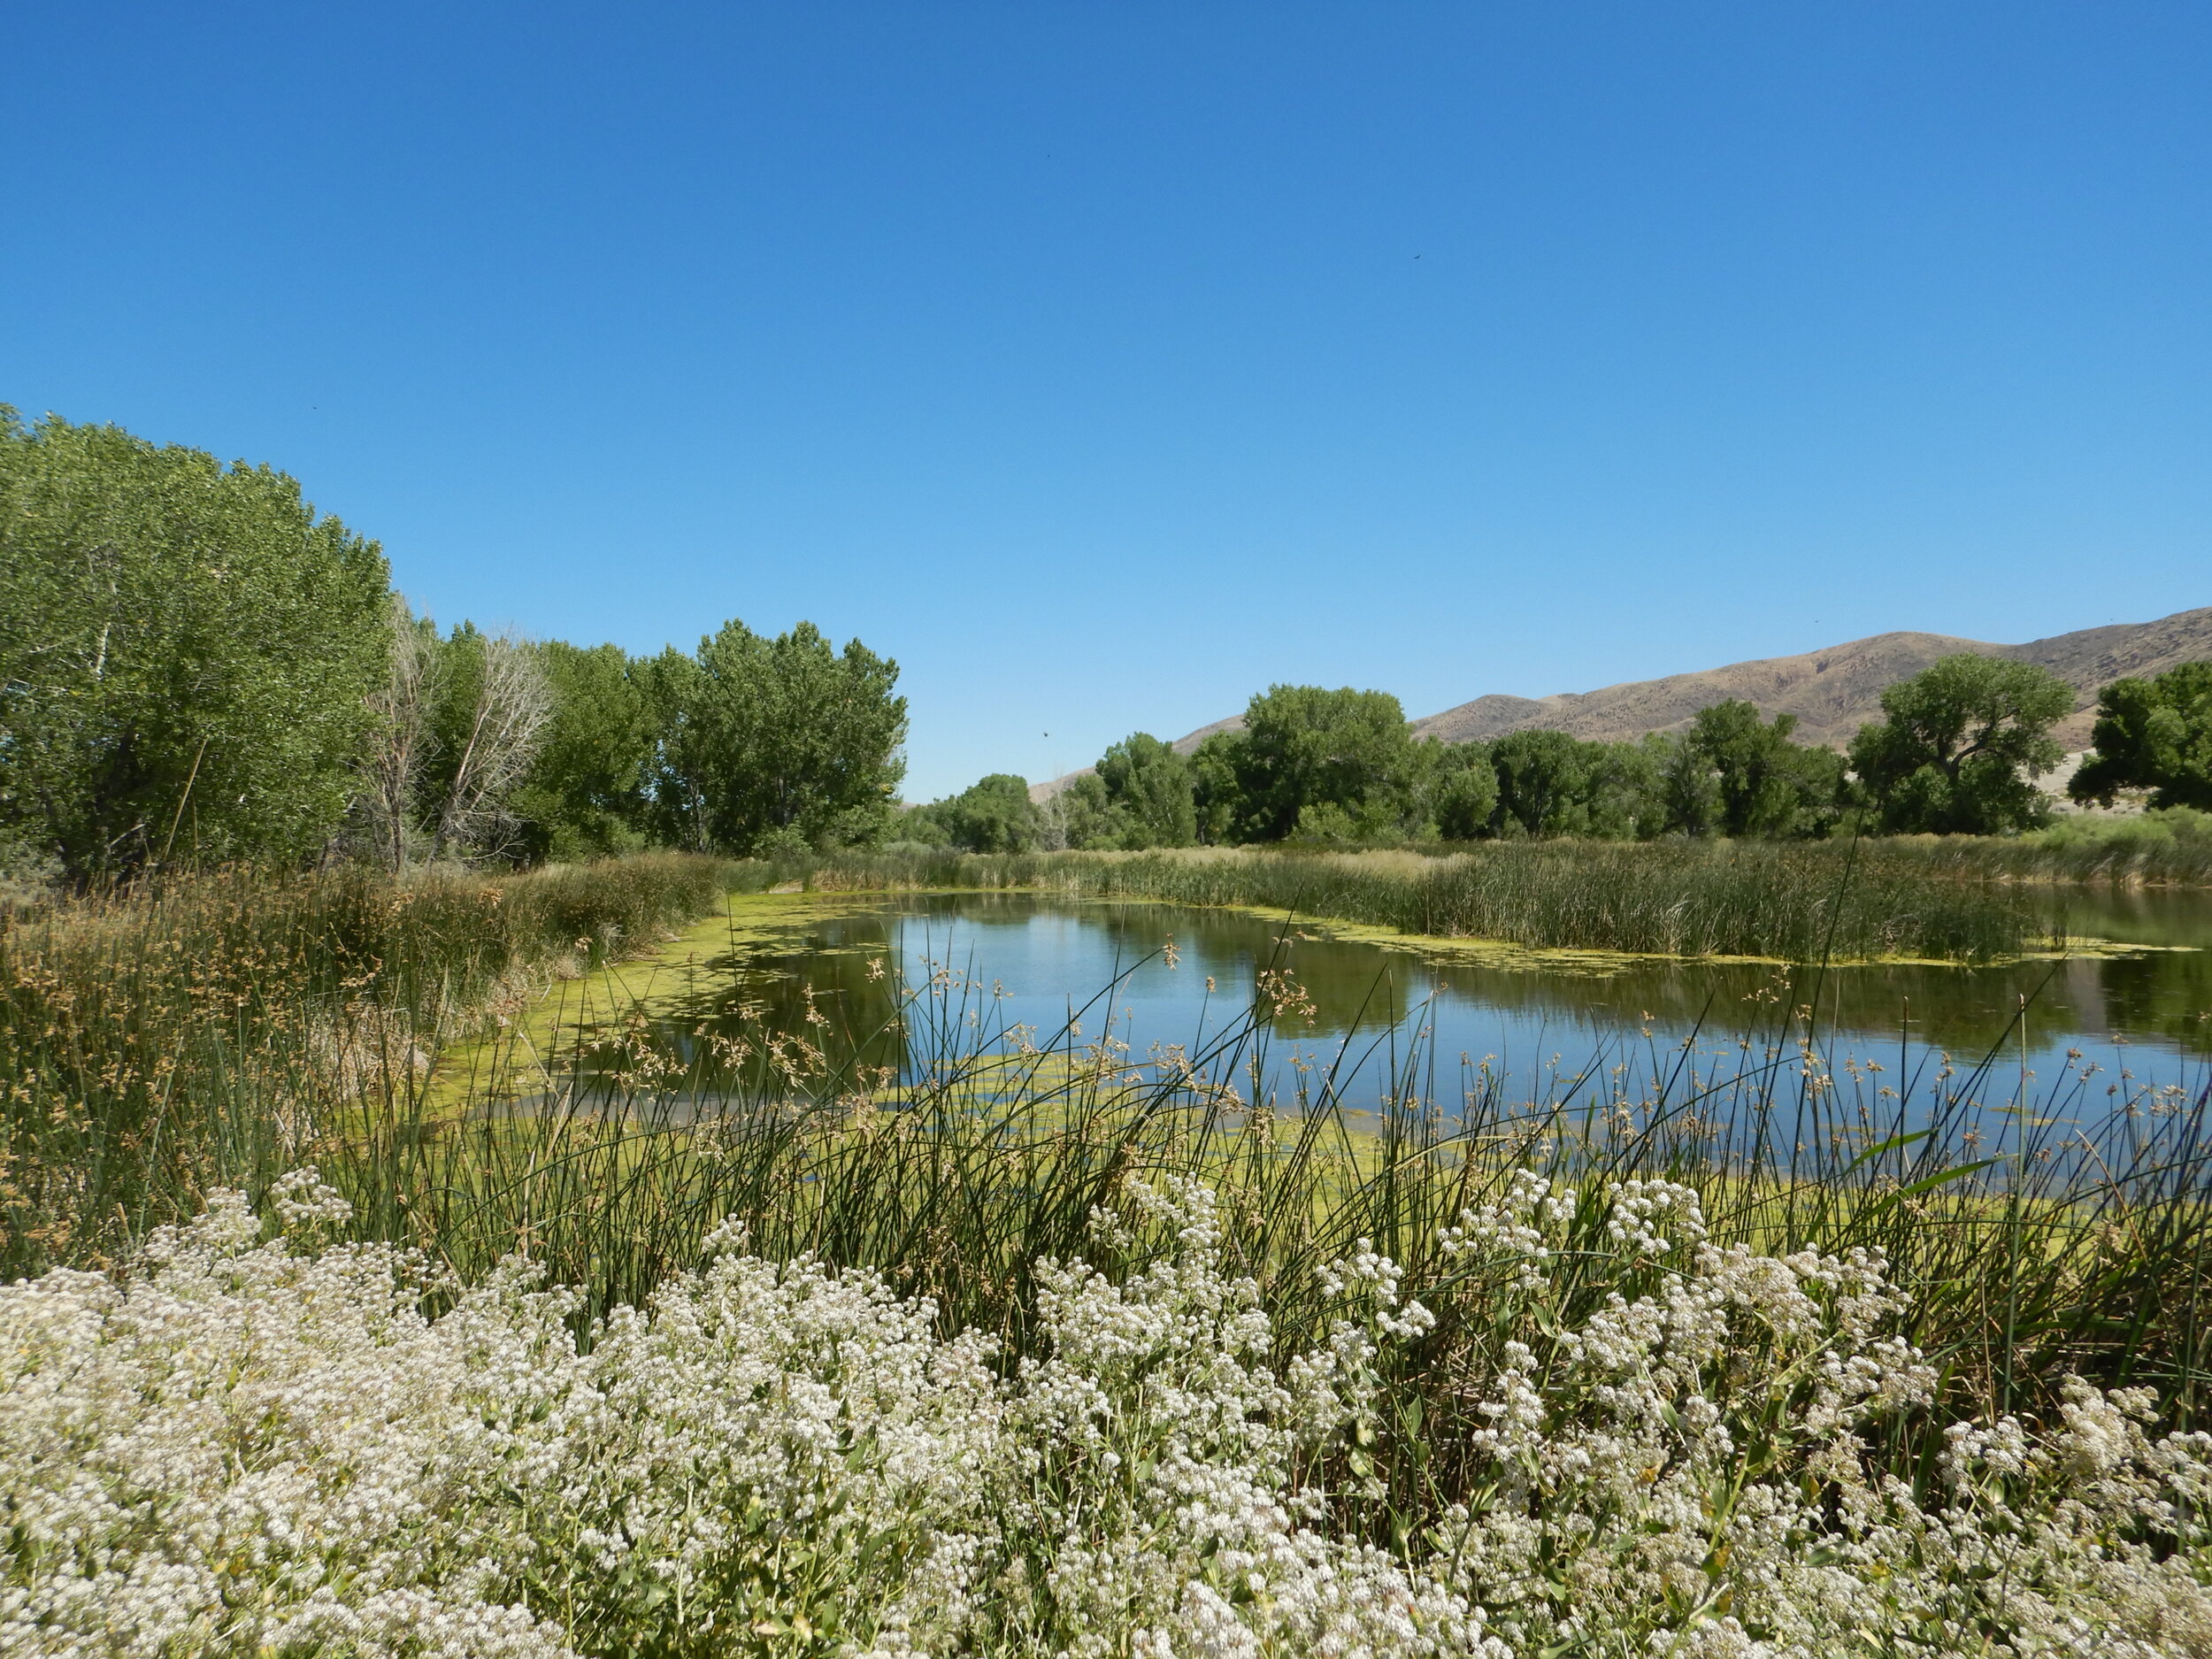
(365, 1301)
(1381, 1330)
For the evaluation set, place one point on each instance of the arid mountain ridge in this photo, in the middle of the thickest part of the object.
(1833, 692)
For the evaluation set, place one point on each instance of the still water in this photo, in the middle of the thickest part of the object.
(2126, 1023)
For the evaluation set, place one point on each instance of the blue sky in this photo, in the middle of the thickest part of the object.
(1104, 363)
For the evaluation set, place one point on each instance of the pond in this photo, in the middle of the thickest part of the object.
(2124, 1026)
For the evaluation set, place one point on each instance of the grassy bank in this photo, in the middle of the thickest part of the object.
(1800, 903)
(1599, 1371)
(2166, 849)
(157, 1044)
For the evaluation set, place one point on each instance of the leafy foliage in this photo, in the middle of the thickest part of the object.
(1544, 783)
(2153, 735)
(1304, 749)
(1761, 783)
(585, 792)
(994, 814)
(1463, 788)
(1958, 748)
(185, 653)
(774, 743)
(1152, 787)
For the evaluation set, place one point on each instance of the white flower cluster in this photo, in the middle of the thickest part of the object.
(1683, 1471)
(1516, 1227)
(264, 1448)
(244, 1446)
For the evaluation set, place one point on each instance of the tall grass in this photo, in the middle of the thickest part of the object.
(2034, 1249)
(2172, 847)
(158, 1042)
(1802, 903)
(219, 1032)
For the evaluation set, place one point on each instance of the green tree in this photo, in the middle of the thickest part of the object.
(2153, 735)
(1961, 743)
(1621, 798)
(779, 742)
(1155, 790)
(1304, 747)
(187, 651)
(1462, 789)
(1757, 781)
(992, 815)
(1544, 780)
(1218, 787)
(682, 759)
(1689, 787)
(585, 792)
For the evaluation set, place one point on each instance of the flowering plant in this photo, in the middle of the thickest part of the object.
(251, 1440)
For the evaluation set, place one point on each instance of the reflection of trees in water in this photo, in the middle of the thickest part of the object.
(1349, 985)
(822, 1006)
(2163, 994)
(2148, 916)
(2168, 995)
(832, 984)
(1964, 1009)
(1352, 986)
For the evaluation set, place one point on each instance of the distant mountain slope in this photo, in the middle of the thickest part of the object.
(1831, 692)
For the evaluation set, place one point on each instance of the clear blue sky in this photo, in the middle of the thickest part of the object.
(1103, 363)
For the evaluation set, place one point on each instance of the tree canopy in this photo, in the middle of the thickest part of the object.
(775, 743)
(2153, 735)
(1152, 787)
(1761, 783)
(993, 815)
(1959, 746)
(186, 652)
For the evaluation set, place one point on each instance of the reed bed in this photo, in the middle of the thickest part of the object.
(1799, 903)
(156, 1043)
(2170, 848)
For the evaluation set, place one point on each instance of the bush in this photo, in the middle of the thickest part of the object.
(252, 1447)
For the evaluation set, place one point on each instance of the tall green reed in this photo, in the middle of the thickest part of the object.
(2171, 847)
(155, 1043)
(1795, 902)
(2033, 1247)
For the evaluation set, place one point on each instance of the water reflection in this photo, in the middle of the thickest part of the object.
(2085, 1030)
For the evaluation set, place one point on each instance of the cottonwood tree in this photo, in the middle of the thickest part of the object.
(1462, 788)
(1761, 784)
(185, 653)
(775, 743)
(1544, 782)
(584, 794)
(992, 815)
(1305, 748)
(1963, 740)
(1151, 787)
(2153, 735)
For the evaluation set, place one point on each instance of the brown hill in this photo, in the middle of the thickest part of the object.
(1831, 692)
